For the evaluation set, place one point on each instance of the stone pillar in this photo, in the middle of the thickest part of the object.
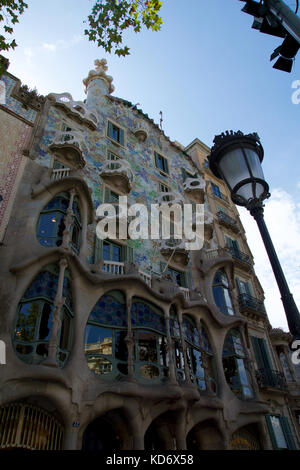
(204, 359)
(56, 317)
(68, 221)
(170, 347)
(186, 367)
(130, 340)
(71, 434)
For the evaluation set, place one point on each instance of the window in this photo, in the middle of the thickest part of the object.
(280, 432)
(112, 156)
(221, 293)
(34, 318)
(112, 251)
(244, 287)
(115, 133)
(161, 163)
(235, 371)
(206, 164)
(110, 196)
(177, 277)
(151, 352)
(106, 330)
(261, 353)
(51, 224)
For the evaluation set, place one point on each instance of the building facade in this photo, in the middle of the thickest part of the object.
(127, 343)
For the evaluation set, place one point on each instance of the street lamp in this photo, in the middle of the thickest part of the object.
(236, 159)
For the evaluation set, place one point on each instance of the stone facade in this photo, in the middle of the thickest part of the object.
(137, 343)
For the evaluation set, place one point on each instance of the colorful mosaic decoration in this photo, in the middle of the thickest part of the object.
(109, 311)
(143, 316)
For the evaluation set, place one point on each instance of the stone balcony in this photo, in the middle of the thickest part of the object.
(140, 131)
(227, 221)
(271, 379)
(194, 188)
(77, 110)
(175, 249)
(169, 198)
(69, 146)
(155, 281)
(118, 173)
(251, 306)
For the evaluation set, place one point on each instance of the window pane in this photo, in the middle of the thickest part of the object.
(279, 436)
(98, 340)
(65, 332)
(46, 322)
(147, 351)
(99, 365)
(163, 351)
(26, 323)
(121, 351)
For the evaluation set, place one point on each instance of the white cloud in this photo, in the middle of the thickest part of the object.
(282, 216)
(62, 44)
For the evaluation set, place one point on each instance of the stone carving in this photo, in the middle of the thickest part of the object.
(100, 72)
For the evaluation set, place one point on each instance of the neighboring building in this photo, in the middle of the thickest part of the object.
(127, 344)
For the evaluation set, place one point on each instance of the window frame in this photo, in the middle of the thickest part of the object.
(163, 171)
(122, 141)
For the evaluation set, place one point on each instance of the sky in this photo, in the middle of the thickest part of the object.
(207, 71)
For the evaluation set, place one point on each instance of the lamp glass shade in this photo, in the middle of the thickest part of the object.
(239, 165)
(234, 168)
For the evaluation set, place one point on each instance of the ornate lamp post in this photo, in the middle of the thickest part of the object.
(236, 159)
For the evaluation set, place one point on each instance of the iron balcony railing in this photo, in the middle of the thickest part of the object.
(247, 301)
(271, 378)
(240, 255)
(227, 220)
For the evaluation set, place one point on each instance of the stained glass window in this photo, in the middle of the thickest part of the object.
(35, 314)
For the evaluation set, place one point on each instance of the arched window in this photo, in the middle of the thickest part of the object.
(235, 371)
(51, 225)
(34, 318)
(151, 353)
(221, 293)
(106, 330)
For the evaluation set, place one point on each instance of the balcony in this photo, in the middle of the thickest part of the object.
(119, 174)
(141, 132)
(268, 378)
(77, 110)
(207, 259)
(251, 305)
(242, 259)
(195, 189)
(69, 146)
(175, 249)
(115, 268)
(169, 198)
(228, 221)
(60, 173)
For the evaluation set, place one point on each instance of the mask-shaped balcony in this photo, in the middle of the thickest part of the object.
(140, 132)
(169, 198)
(175, 248)
(77, 110)
(69, 146)
(119, 174)
(195, 188)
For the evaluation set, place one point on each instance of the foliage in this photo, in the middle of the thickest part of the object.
(110, 18)
(10, 10)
